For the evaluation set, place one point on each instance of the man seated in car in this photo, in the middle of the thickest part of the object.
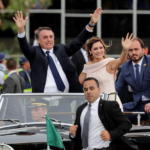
(38, 109)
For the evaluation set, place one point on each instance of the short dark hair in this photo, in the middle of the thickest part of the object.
(91, 78)
(140, 41)
(40, 29)
(11, 64)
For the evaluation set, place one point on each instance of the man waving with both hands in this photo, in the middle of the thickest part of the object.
(51, 67)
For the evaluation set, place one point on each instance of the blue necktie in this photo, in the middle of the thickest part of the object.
(57, 78)
(137, 74)
(85, 132)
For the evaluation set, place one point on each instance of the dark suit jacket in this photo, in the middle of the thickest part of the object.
(114, 121)
(126, 96)
(79, 61)
(14, 106)
(39, 62)
(13, 84)
(26, 76)
(127, 76)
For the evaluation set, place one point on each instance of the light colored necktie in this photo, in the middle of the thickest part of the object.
(86, 127)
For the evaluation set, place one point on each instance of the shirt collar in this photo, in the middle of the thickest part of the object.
(139, 63)
(14, 71)
(95, 102)
(83, 51)
(50, 51)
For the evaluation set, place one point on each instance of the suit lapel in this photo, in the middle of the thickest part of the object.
(59, 55)
(131, 70)
(81, 57)
(44, 58)
(101, 113)
(143, 66)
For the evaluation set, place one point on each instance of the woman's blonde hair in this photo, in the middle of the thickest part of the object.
(90, 43)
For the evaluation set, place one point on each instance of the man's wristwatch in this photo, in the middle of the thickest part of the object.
(91, 25)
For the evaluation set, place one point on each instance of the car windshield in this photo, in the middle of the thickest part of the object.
(27, 108)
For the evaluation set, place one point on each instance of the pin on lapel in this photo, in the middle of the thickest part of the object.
(100, 104)
(144, 65)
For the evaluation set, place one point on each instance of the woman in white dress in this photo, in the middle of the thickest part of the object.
(102, 68)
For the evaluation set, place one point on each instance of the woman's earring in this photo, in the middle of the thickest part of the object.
(91, 54)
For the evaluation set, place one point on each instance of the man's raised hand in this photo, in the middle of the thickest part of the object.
(95, 16)
(126, 43)
(20, 21)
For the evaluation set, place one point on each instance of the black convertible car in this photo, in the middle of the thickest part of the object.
(23, 126)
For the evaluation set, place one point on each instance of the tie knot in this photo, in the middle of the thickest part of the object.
(90, 105)
(47, 52)
(137, 65)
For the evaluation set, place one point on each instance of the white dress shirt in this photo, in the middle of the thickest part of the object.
(35, 43)
(95, 127)
(14, 71)
(144, 98)
(2, 77)
(84, 52)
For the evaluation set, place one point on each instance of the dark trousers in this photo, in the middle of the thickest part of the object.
(112, 146)
(139, 108)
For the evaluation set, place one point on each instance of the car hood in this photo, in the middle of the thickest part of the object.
(30, 133)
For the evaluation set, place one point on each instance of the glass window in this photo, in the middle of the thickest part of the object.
(32, 107)
(143, 26)
(85, 6)
(143, 5)
(116, 25)
(117, 4)
(49, 20)
(74, 26)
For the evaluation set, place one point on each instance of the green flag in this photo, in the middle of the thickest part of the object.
(53, 137)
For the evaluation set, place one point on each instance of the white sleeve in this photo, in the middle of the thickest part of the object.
(88, 29)
(21, 35)
(1, 77)
(72, 136)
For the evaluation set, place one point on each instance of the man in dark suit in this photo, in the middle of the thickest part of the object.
(136, 74)
(14, 83)
(99, 123)
(127, 94)
(46, 78)
(79, 59)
